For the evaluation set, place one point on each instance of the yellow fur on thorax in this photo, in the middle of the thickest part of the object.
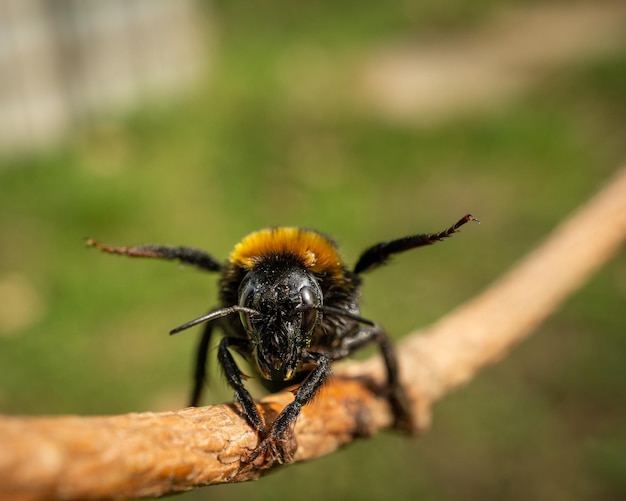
(317, 253)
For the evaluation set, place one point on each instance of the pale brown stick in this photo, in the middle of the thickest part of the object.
(152, 454)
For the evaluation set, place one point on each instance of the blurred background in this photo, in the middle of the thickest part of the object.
(180, 122)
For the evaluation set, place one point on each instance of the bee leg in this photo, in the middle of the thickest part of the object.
(233, 377)
(186, 255)
(279, 443)
(398, 399)
(199, 374)
(379, 254)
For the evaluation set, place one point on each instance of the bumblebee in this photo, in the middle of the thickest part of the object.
(290, 306)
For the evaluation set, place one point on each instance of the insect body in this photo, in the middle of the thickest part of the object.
(290, 306)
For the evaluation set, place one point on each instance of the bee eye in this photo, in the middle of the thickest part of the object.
(309, 312)
(307, 297)
(245, 321)
(245, 293)
(246, 298)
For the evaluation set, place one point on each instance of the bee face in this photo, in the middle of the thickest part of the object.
(285, 304)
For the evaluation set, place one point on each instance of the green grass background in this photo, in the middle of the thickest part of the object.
(243, 152)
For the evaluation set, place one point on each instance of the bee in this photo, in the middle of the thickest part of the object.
(290, 306)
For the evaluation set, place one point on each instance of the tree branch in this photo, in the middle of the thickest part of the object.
(153, 454)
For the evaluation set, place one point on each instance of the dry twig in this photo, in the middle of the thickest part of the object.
(153, 454)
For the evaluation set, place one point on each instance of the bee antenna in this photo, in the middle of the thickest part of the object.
(343, 313)
(214, 315)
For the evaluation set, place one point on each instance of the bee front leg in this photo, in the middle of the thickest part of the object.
(233, 376)
(279, 442)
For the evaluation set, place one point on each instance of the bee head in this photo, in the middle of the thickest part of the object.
(279, 311)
